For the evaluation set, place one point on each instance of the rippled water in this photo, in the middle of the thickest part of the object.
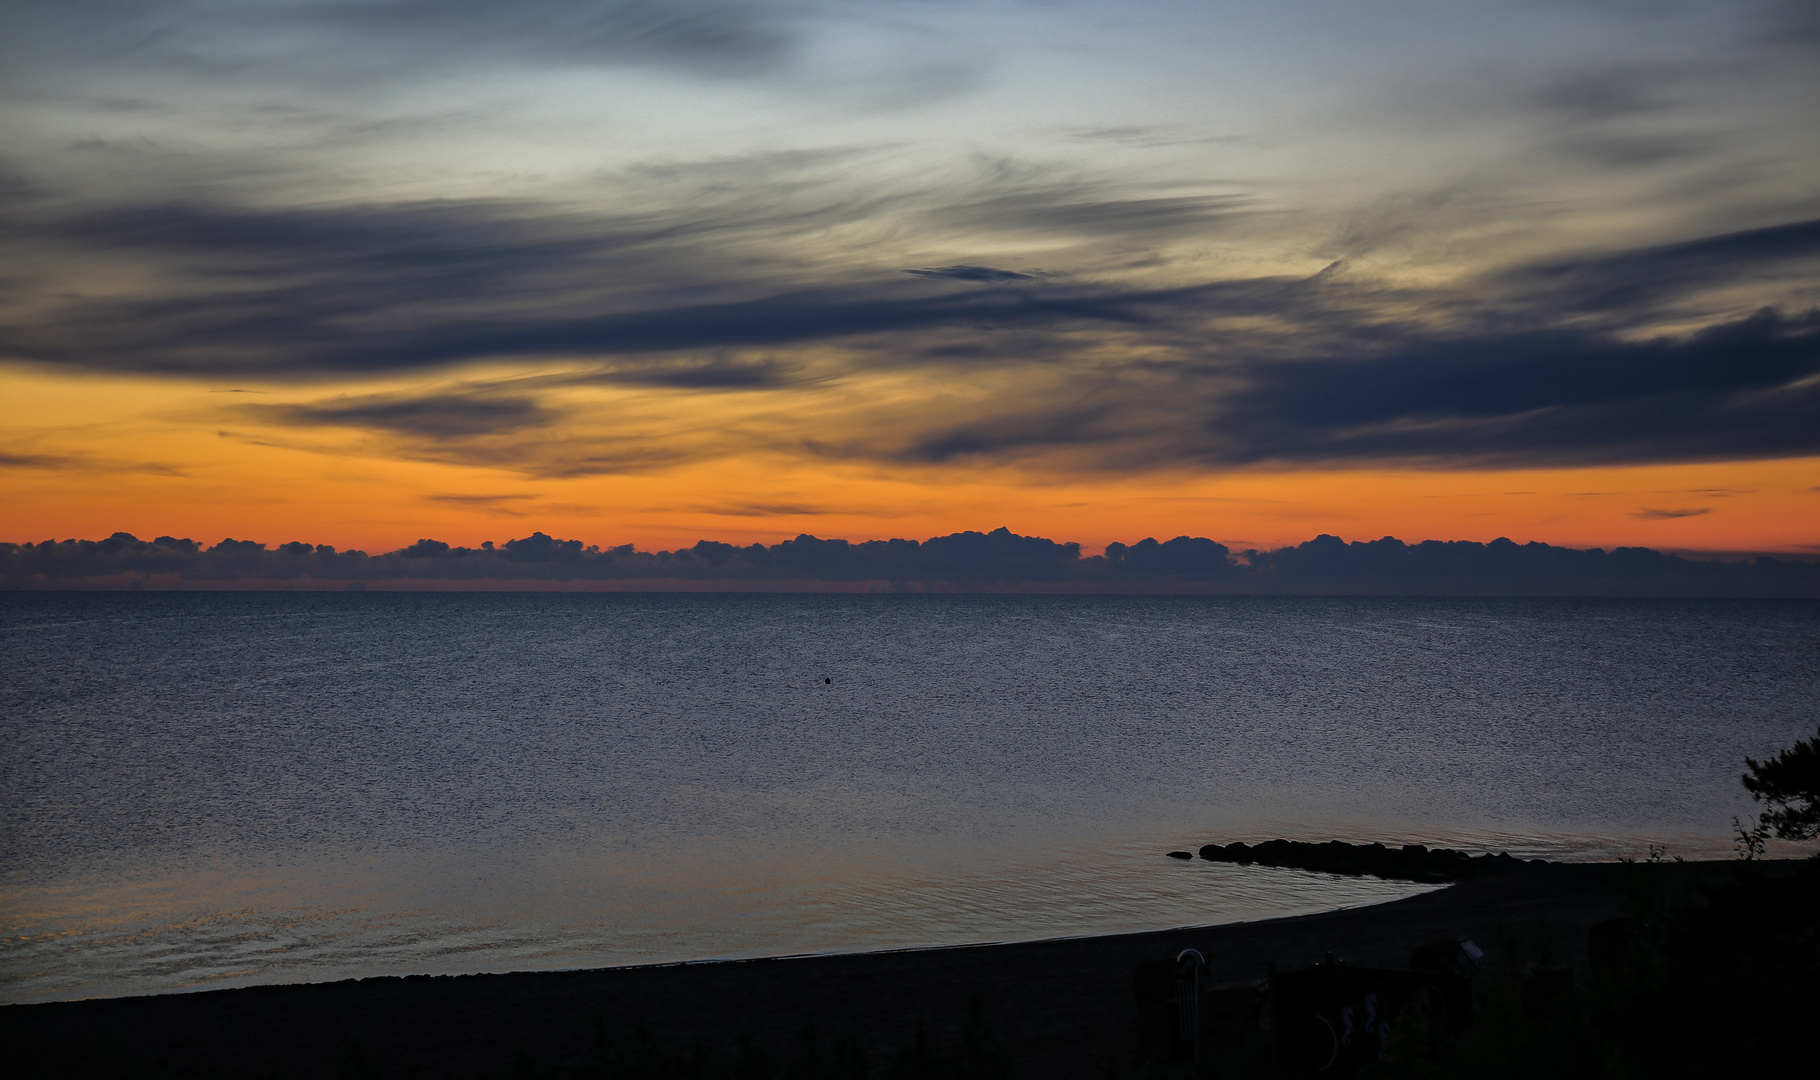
(213, 790)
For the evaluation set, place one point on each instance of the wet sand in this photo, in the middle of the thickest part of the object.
(1059, 1008)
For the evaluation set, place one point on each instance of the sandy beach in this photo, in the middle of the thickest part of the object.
(1057, 1008)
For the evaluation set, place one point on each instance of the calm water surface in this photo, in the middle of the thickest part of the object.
(224, 789)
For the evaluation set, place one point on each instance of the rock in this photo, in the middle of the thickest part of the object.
(1410, 862)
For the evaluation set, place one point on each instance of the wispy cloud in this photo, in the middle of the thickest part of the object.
(390, 40)
(438, 416)
(512, 506)
(966, 272)
(1323, 369)
(1738, 390)
(764, 510)
(37, 461)
(309, 198)
(477, 500)
(1632, 284)
(87, 463)
(690, 373)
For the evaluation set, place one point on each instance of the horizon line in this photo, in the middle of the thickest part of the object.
(970, 561)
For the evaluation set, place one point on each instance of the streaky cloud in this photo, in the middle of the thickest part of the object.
(716, 373)
(1634, 281)
(1648, 514)
(38, 461)
(1745, 389)
(707, 37)
(966, 272)
(83, 463)
(438, 416)
(388, 40)
(477, 500)
(363, 290)
(1328, 368)
(1046, 210)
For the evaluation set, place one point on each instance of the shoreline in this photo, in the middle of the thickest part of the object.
(242, 942)
(1057, 1006)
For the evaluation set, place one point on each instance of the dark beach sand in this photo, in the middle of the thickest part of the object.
(1059, 1008)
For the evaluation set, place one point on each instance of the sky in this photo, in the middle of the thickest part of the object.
(358, 272)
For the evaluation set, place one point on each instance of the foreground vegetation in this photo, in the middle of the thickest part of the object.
(1697, 980)
(970, 1055)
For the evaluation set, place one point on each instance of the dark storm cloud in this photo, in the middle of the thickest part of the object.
(440, 416)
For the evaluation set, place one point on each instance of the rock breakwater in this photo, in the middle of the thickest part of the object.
(1411, 862)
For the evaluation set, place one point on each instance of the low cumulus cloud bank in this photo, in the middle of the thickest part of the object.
(965, 561)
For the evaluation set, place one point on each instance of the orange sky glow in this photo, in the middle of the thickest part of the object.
(142, 456)
(1092, 273)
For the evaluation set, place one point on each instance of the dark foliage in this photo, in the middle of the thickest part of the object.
(1790, 784)
(969, 1055)
(1692, 982)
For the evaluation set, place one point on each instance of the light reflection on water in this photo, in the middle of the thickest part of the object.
(406, 914)
(232, 930)
(225, 790)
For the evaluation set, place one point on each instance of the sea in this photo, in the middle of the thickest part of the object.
(203, 790)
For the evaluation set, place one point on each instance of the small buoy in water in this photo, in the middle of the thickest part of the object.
(827, 681)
